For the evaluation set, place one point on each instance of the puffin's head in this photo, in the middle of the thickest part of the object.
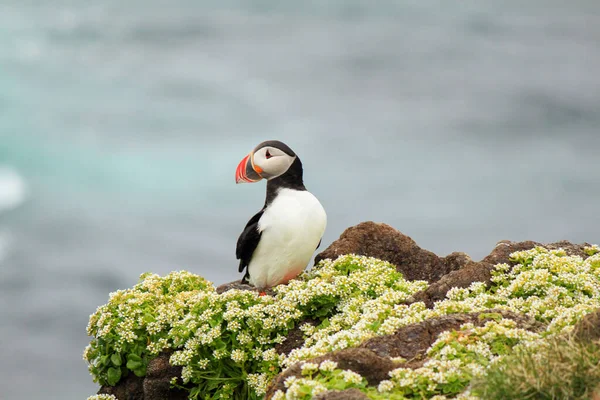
(268, 160)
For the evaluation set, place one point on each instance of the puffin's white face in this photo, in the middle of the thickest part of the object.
(265, 161)
(271, 161)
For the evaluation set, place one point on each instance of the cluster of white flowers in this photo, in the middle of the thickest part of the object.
(308, 368)
(300, 388)
(458, 356)
(546, 285)
(239, 356)
(258, 382)
(102, 397)
(351, 377)
(385, 386)
(355, 298)
(327, 366)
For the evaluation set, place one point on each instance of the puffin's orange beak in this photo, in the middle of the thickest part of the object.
(246, 172)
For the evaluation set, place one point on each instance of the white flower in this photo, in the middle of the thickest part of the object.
(385, 386)
(308, 368)
(327, 365)
(238, 355)
(279, 395)
(351, 377)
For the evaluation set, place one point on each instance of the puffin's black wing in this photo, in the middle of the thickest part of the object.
(247, 242)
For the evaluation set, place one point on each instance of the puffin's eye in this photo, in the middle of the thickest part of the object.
(268, 155)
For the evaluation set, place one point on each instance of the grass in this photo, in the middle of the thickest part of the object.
(562, 368)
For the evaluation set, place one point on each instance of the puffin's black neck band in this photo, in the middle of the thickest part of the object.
(291, 179)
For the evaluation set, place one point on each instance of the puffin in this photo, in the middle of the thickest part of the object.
(278, 242)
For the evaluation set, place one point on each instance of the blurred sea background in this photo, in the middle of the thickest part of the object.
(122, 122)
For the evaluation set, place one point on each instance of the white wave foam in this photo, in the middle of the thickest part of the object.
(13, 189)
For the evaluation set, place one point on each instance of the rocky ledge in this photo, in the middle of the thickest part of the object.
(466, 315)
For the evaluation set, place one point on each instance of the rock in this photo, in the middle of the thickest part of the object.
(129, 388)
(386, 243)
(239, 286)
(466, 271)
(456, 260)
(294, 338)
(412, 341)
(233, 285)
(503, 249)
(349, 394)
(360, 360)
(462, 278)
(588, 329)
(372, 359)
(157, 384)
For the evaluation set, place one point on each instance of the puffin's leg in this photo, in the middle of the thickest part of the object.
(262, 293)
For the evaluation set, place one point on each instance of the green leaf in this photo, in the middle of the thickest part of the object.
(133, 365)
(114, 374)
(494, 316)
(375, 325)
(116, 360)
(140, 372)
(195, 391)
(148, 318)
(324, 323)
(133, 357)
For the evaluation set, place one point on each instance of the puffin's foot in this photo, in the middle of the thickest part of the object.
(262, 293)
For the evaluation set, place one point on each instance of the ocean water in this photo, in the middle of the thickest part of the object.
(121, 124)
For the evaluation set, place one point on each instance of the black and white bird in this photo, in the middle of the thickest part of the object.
(279, 241)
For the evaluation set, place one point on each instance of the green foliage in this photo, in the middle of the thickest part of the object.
(226, 343)
(560, 368)
(547, 285)
(591, 250)
(132, 328)
(319, 379)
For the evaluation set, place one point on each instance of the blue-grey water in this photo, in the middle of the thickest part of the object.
(122, 122)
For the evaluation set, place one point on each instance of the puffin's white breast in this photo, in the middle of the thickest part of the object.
(291, 228)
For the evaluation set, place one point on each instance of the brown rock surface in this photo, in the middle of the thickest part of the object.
(294, 338)
(362, 361)
(372, 358)
(373, 361)
(239, 286)
(156, 385)
(462, 278)
(386, 243)
(129, 388)
(503, 249)
(412, 341)
(471, 271)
